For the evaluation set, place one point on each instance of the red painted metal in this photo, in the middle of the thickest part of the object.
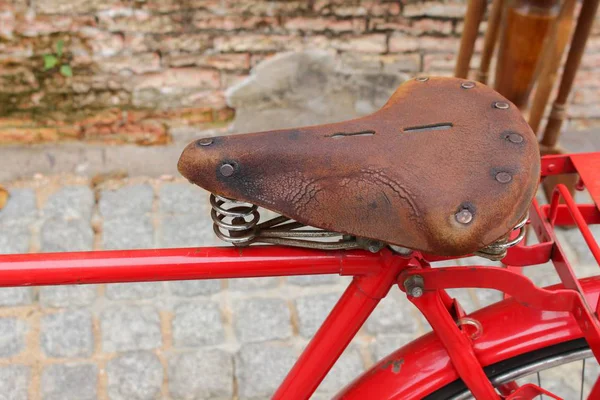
(587, 166)
(580, 221)
(557, 164)
(456, 343)
(530, 392)
(517, 286)
(509, 329)
(180, 264)
(595, 392)
(351, 311)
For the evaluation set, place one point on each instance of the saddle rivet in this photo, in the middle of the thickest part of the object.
(501, 105)
(464, 216)
(205, 141)
(467, 85)
(227, 169)
(503, 177)
(414, 285)
(422, 78)
(515, 138)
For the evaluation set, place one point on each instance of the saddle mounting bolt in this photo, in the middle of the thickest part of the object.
(227, 169)
(414, 285)
(503, 177)
(464, 216)
(205, 141)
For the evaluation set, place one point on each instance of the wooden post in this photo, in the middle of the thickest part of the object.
(549, 143)
(580, 37)
(526, 27)
(475, 11)
(491, 36)
(556, 46)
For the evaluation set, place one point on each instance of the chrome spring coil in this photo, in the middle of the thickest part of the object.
(230, 220)
(497, 250)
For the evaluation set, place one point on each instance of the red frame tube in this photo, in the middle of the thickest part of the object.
(180, 264)
(374, 275)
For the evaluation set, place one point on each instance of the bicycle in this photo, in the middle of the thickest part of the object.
(390, 231)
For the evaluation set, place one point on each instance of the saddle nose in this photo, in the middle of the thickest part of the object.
(447, 166)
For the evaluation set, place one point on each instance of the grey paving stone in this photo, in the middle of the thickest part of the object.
(135, 376)
(58, 234)
(203, 374)
(128, 232)
(127, 201)
(67, 334)
(198, 324)
(195, 288)
(69, 382)
(392, 315)
(126, 328)
(14, 382)
(260, 368)
(313, 280)
(21, 205)
(251, 284)
(133, 291)
(14, 238)
(67, 296)
(16, 296)
(259, 319)
(487, 296)
(312, 311)
(71, 202)
(183, 198)
(385, 345)
(575, 240)
(12, 336)
(186, 231)
(348, 367)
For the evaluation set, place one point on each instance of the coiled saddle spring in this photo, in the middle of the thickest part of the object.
(239, 223)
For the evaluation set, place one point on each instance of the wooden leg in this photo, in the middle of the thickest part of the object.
(555, 48)
(580, 37)
(549, 142)
(526, 27)
(491, 36)
(473, 18)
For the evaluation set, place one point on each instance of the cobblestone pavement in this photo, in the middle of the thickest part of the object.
(216, 339)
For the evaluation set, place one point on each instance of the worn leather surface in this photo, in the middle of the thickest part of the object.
(373, 177)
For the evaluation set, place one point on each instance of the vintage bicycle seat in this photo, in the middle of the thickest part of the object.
(447, 166)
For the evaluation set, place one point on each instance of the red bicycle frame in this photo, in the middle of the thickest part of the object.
(451, 351)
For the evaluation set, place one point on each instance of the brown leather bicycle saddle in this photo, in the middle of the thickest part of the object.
(401, 175)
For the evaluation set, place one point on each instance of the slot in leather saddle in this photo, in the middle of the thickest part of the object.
(447, 166)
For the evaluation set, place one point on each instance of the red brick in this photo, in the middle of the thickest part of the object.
(321, 24)
(435, 9)
(257, 43)
(403, 43)
(372, 43)
(179, 78)
(204, 20)
(230, 62)
(28, 135)
(138, 63)
(429, 26)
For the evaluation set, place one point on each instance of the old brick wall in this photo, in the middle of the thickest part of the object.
(142, 67)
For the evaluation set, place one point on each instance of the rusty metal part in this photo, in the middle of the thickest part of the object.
(497, 250)
(237, 223)
(397, 176)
